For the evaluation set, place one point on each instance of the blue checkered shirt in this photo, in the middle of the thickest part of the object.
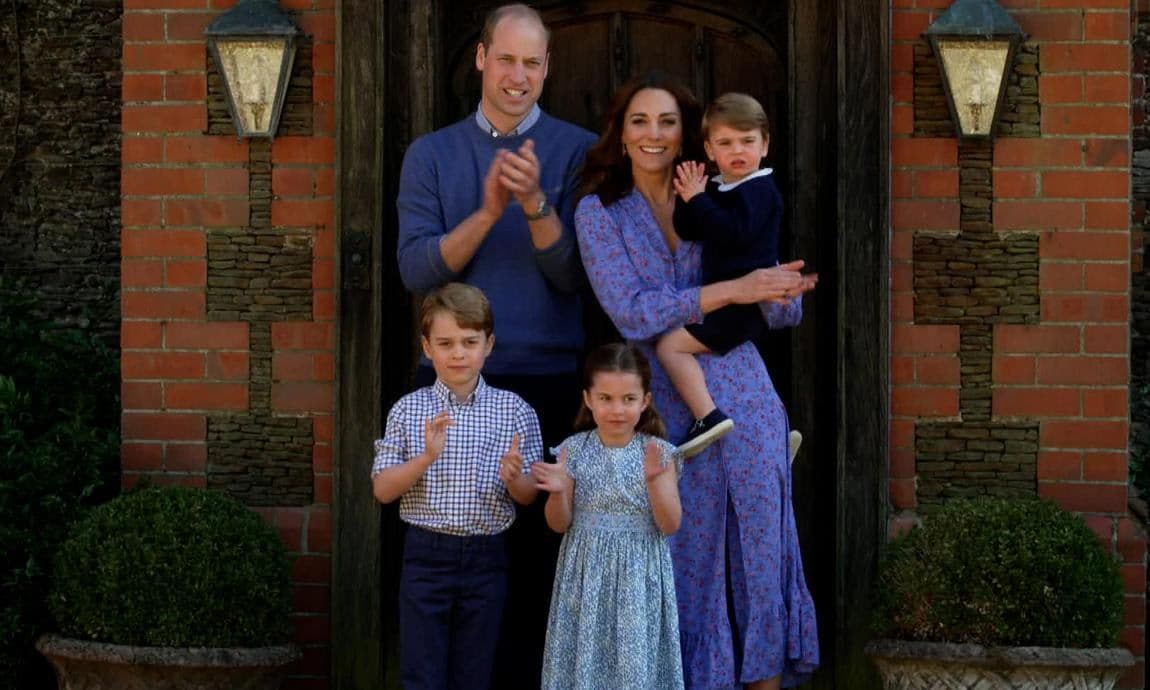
(461, 492)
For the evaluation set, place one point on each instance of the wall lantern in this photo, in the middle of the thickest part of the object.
(974, 42)
(254, 46)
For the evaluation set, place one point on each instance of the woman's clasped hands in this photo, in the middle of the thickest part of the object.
(782, 284)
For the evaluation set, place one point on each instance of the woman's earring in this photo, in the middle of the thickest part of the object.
(624, 150)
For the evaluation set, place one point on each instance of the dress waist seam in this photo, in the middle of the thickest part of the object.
(613, 522)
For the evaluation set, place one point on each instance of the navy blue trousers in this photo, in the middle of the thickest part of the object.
(451, 596)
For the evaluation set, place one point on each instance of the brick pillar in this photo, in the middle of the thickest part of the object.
(1050, 196)
(228, 300)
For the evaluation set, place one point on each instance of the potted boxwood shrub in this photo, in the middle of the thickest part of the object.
(171, 589)
(999, 593)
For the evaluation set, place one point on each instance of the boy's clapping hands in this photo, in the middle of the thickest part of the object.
(521, 486)
(511, 464)
(435, 434)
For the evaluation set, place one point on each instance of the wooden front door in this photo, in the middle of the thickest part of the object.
(407, 66)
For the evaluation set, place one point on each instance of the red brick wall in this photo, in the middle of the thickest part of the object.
(178, 367)
(1072, 186)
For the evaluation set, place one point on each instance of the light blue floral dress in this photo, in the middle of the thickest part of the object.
(614, 621)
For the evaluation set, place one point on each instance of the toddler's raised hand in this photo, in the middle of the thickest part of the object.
(435, 434)
(690, 179)
(553, 478)
(511, 464)
(653, 464)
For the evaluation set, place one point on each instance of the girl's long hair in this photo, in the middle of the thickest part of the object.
(620, 357)
(606, 171)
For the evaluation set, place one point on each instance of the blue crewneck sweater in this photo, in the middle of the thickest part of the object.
(534, 293)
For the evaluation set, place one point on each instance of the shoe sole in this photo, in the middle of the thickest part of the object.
(793, 442)
(696, 445)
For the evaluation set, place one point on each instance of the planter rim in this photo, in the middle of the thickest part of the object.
(72, 648)
(978, 655)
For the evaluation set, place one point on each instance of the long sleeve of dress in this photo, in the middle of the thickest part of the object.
(782, 315)
(642, 302)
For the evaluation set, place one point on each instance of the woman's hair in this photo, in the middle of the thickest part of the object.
(620, 357)
(606, 171)
(737, 111)
(466, 303)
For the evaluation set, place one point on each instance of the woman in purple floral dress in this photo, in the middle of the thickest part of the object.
(745, 614)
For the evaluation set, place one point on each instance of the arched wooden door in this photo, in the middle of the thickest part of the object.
(818, 66)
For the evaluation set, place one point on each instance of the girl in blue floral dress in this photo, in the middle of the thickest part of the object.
(614, 495)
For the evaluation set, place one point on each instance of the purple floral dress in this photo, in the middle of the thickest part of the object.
(738, 532)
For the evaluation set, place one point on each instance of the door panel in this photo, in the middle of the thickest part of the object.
(580, 80)
(663, 43)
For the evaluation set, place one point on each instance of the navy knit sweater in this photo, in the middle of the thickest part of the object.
(533, 293)
(737, 224)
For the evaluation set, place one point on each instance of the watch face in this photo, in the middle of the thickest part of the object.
(542, 211)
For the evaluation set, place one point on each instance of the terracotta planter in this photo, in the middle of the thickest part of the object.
(932, 665)
(83, 665)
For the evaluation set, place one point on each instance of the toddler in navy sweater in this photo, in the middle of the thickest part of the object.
(736, 216)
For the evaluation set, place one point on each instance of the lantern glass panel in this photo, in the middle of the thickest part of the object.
(252, 69)
(975, 72)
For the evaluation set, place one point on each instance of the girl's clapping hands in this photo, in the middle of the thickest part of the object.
(553, 478)
(653, 464)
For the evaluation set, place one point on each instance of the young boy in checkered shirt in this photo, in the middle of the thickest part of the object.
(456, 454)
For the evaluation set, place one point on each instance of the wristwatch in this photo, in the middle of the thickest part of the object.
(542, 211)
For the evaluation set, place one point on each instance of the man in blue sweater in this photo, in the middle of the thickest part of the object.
(489, 201)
